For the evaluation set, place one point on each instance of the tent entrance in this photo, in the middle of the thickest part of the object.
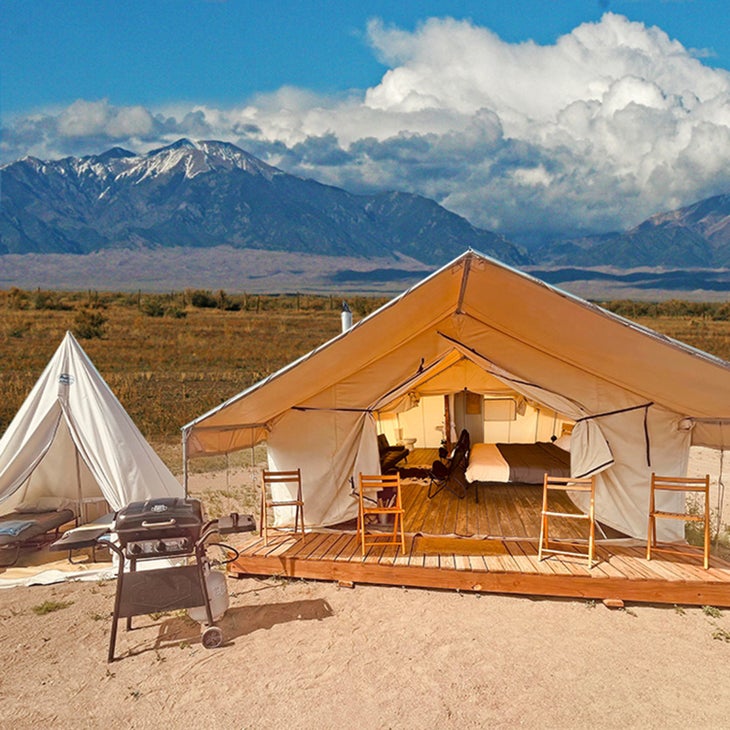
(78, 484)
(503, 510)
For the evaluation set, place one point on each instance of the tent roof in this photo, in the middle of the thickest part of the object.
(516, 322)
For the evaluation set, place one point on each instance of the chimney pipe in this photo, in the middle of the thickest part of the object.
(346, 317)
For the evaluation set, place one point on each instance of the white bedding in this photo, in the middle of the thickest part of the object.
(486, 464)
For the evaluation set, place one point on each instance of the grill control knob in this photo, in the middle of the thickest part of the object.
(161, 547)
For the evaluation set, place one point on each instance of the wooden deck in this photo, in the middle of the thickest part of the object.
(490, 547)
(504, 566)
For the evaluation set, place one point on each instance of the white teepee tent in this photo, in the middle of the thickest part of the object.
(73, 439)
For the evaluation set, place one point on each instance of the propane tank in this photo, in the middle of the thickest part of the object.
(215, 582)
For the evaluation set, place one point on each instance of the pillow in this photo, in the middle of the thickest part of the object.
(45, 504)
(563, 442)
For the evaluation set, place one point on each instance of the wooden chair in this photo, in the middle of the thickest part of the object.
(696, 485)
(568, 484)
(371, 506)
(293, 478)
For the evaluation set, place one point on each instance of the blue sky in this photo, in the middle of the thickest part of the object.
(529, 117)
(162, 51)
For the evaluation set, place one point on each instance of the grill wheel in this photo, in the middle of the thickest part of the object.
(212, 637)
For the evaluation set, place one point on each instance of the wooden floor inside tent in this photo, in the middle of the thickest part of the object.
(489, 546)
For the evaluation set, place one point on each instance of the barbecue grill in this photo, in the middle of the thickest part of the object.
(159, 527)
(171, 527)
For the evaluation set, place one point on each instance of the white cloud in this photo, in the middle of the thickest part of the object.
(613, 122)
(86, 119)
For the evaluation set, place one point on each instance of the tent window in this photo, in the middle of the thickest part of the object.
(500, 409)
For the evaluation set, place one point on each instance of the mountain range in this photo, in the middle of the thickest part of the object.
(207, 194)
(697, 235)
(210, 214)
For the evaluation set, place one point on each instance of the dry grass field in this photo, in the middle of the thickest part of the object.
(170, 358)
(165, 370)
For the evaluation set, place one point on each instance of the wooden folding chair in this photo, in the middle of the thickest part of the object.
(568, 484)
(389, 504)
(292, 478)
(696, 485)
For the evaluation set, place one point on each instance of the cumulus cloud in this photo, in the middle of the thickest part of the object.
(611, 123)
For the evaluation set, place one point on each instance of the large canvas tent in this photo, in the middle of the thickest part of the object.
(638, 399)
(73, 439)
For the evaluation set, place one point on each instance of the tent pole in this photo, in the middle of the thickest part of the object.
(79, 495)
(720, 492)
(185, 462)
(447, 424)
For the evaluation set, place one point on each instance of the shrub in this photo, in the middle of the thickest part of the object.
(203, 300)
(50, 606)
(227, 304)
(17, 299)
(161, 305)
(152, 307)
(89, 324)
(49, 300)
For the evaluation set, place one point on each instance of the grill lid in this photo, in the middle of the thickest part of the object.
(160, 517)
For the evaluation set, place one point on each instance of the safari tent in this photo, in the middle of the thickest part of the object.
(73, 440)
(636, 400)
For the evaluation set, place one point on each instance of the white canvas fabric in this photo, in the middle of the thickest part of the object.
(639, 398)
(72, 438)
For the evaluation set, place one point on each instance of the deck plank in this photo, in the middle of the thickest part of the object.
(416, 513)
(474, 523)
(350, 551)
(526, 562)
(679, 563)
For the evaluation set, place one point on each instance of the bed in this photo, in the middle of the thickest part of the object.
(27, 524)
(517, 463)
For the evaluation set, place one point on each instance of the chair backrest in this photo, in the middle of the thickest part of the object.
(380, 482)
(464, 440)
(460, 456)
(580, 483)
(290, 476)
(570, 484)
(681, 484)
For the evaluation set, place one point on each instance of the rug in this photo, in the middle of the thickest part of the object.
(441, 544)
(413, 472)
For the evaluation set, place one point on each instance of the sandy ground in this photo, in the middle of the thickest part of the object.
(310, 655)
(302, 654)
